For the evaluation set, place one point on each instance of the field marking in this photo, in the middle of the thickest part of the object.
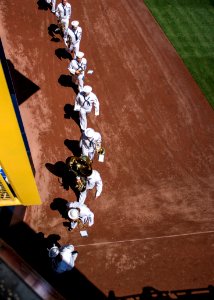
(148, 238)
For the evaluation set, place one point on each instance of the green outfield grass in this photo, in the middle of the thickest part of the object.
(189, 25)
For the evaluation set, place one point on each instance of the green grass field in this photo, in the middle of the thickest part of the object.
(189, 25)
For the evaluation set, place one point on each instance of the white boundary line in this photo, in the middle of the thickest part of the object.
(148, 238)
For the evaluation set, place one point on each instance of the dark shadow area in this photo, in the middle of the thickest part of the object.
(66, 81)
(66, 178)
(152, 293)
(43, 5)
(32, 247)
(71, 114)
(52, 33)
(62, 53)
(6, 214)
(60, 205)
(24, 87)
(73, 146)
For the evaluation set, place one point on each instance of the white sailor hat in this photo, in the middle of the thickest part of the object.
(73, 214)
(89, 132)
(87, 89)
(96, 135)
(80, 54)
(75, 23)
(53, 252)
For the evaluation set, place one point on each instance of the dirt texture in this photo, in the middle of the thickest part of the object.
(154, 220)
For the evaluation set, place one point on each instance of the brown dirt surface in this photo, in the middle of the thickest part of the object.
(154, 220)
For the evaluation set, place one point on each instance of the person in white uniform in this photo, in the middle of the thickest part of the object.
(94, 180)
(78, 211)
(63, 258)
(53, 4)
(83, 103)
(63, 14)
(90, 142)
(77, 69)
(72, 38)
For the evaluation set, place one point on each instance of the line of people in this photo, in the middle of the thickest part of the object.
(63, 258)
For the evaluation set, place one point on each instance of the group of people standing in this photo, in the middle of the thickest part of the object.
(78, 213)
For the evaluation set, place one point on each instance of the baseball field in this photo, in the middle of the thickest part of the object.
(188, 25)
(154, 227)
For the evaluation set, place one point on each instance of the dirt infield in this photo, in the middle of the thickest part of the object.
(154, 221)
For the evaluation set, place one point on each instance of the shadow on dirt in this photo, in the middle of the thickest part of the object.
(73, 146)
(43, 5)
(66, 178)
(60, 205)
(152, 293)
(32, 247)
(62, 53)
(71, 114)
(51, 31)
(24, 87)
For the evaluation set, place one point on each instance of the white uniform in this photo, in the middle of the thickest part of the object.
(63, 13)
(80, 66)
(91, 181)
(85, 214)
(83, 104)
(74, 35)
(68, 256)
(53, 3)
(89, 146)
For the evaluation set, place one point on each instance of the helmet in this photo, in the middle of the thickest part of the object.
(53, 252)
(87, 89)
(89, 132)
(80, 54)
(73, 214)
(75, 23)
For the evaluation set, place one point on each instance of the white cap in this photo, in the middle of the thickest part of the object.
(73, 214)
(75, 23)
(53, 252)
(97, 135)
(89, 132)
(87, 89)
(80, 54)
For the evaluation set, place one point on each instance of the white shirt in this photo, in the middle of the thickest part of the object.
(63, 11)
(87, 101)
(77, 33)
(75, 65)
(67, 262)
(94, 180)
(93, 143)
(86, 215)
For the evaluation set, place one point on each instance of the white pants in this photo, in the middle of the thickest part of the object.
(64, 24)
(79, 80)
(82, 197)
(88, 152)
(53, 5)
(75, 48)
(83, 118)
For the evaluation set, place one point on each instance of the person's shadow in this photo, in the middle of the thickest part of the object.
(43, 5)
(52, 33)
(66, 178)
(60, 205)
(66, 81)
(62, 53)
(69, 113)
(73, 146)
